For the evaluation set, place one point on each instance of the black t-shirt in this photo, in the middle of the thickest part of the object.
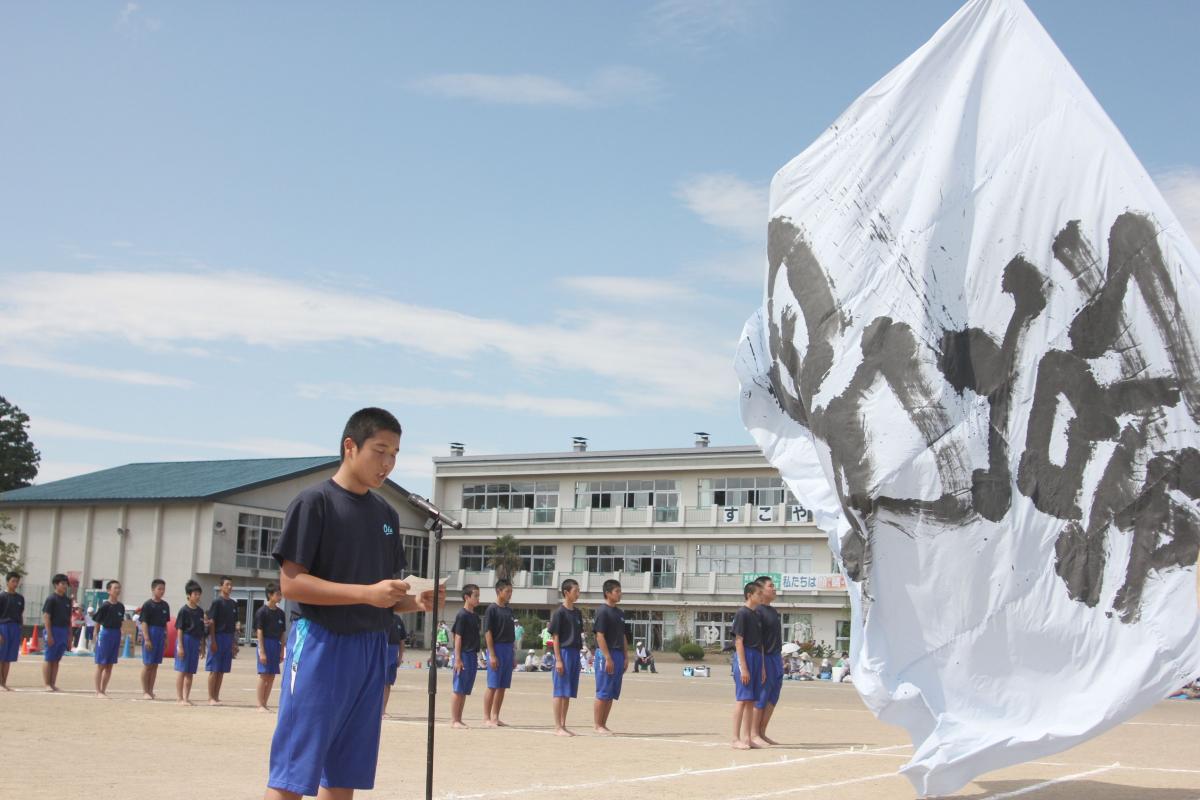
(567, 625)
(397, 633)
(467, 625)
(110, 615)
(270, 621)
(345, 538)
(59, 609)
(748, 625)
(223, 614)
(772, 629)
(499, 621)
(12, 607)
(610, 620)
(191, 621)
(155, 613)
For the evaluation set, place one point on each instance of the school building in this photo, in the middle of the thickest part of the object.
(682, 530)
(177, 521)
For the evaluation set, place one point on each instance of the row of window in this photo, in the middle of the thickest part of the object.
(657, 493)
(257, 535)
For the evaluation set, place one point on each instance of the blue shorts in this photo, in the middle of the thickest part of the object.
(107, 645)
(464, 681)
(393, 664)
(221, 658)
(501, 678)
(152, 651)
(567, 684)
(768, 693)
(608, 687)
(271, 647)
(187, 654)
(330, 710)
(62, 639)
(11, 631)
(754, 663)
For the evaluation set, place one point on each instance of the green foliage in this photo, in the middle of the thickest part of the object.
(531, 637)
(19, 459)
(690, 651)
(504, 556)
(10, 560)
(677, 641)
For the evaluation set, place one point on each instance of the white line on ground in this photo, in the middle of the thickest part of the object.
(812, 787)
(1037, 786)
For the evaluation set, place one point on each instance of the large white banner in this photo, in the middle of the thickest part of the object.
(977, 364)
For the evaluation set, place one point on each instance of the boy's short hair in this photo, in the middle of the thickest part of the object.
(271, 589)
(610, 584)
(59, 578)
(114, 582)
(763, 580)
(224, 578)
(500, 584)
(568, 585)
(365, 423)
(192, 586)
(157, 582)
(12, 575)
(469, 589)
(753, 587)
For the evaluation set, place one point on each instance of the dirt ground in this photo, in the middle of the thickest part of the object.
(673, 743)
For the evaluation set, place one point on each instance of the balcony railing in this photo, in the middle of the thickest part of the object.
(747, 516)
(664, 583)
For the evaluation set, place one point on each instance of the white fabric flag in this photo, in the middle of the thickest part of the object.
(977, 362)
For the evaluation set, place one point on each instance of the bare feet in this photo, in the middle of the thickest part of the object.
(500, 724)
(562, 732)
(214, 702)
(147, 696)
(489, 723)
(50, 689)
(459, 725)
(738, 744)
(768, 739)
(757, 744)
(264, 710)
(183, 702)
(5, 689)
(603, 732)
(102, 696)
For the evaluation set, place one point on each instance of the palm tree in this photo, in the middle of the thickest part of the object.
(504, 556)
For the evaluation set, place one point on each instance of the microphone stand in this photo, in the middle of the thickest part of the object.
(435, 543)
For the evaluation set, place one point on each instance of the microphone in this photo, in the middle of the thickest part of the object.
(429, 509)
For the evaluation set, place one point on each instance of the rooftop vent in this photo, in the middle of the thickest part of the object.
(457, 448)
(701, 439)
(579, 444)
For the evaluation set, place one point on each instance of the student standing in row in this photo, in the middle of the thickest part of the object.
(748, 672)
(191, 632)
(56, 619)
(772, 646)
(609, 627)
(499, 627)
(269, 623)
(222, 616)
(153, 617)
(109, 617)
(466, 653)
(566, 634)
(12, 617)
(396, 636)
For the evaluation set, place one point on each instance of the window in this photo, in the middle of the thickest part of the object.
(797, 627)
(756, 491)
(257, 536)
(722, 621)
(472, 558)
(538, 561)
(515, 495)
(658, 559)
(416, 553)
(842, 639)
(760, 558)
(661, 495)
(651, 627)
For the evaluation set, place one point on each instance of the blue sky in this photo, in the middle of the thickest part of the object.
(226, 226)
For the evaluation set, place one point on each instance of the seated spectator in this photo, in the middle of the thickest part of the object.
(531, 663)
(443, 656)
(826, 672)
(548, 660)
(804, 672)
(642, 658)
(841, 669)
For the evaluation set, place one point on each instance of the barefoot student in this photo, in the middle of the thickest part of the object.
(56, 618)
(609, 627)
(108, 617)
(12, 616)
(340, 556)
(191, 633)
(566, 636)
(748, 672)
(222, 641)
(500, 633)
(772, 647)
(269, 624)
(466, 653)
(153, 617)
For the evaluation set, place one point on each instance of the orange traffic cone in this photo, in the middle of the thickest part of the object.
(34, 645)
(24, 646)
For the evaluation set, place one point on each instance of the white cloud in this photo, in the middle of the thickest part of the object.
(727, 202)
(641, 353)
(697, 24)
(89, 372)
(610, 86)
(509, 401)
(628, 290)
(57, 470)
(1181, 187)
(47, 428)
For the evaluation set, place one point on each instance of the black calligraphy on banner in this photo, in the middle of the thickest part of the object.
(1145, 486)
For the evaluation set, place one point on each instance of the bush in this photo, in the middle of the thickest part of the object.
(690, 651)
(531, 638)
(673, 644)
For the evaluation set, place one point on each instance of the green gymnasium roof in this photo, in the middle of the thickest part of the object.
(173, 480)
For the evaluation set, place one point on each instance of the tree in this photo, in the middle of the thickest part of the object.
(19, 459)
(504, 556)
(9, 551)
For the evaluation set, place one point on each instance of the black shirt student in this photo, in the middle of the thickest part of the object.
(500, 621)
(110, 615)
(467, 625)
(191, 621)
(610, 620)
(748, 625)
(12, 607)
(772, 632)
(223, 614)
(155, 613)
(271, 621)
(567, 625)
(59, 609)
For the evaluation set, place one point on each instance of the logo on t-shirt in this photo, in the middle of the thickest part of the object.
(387, 529)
